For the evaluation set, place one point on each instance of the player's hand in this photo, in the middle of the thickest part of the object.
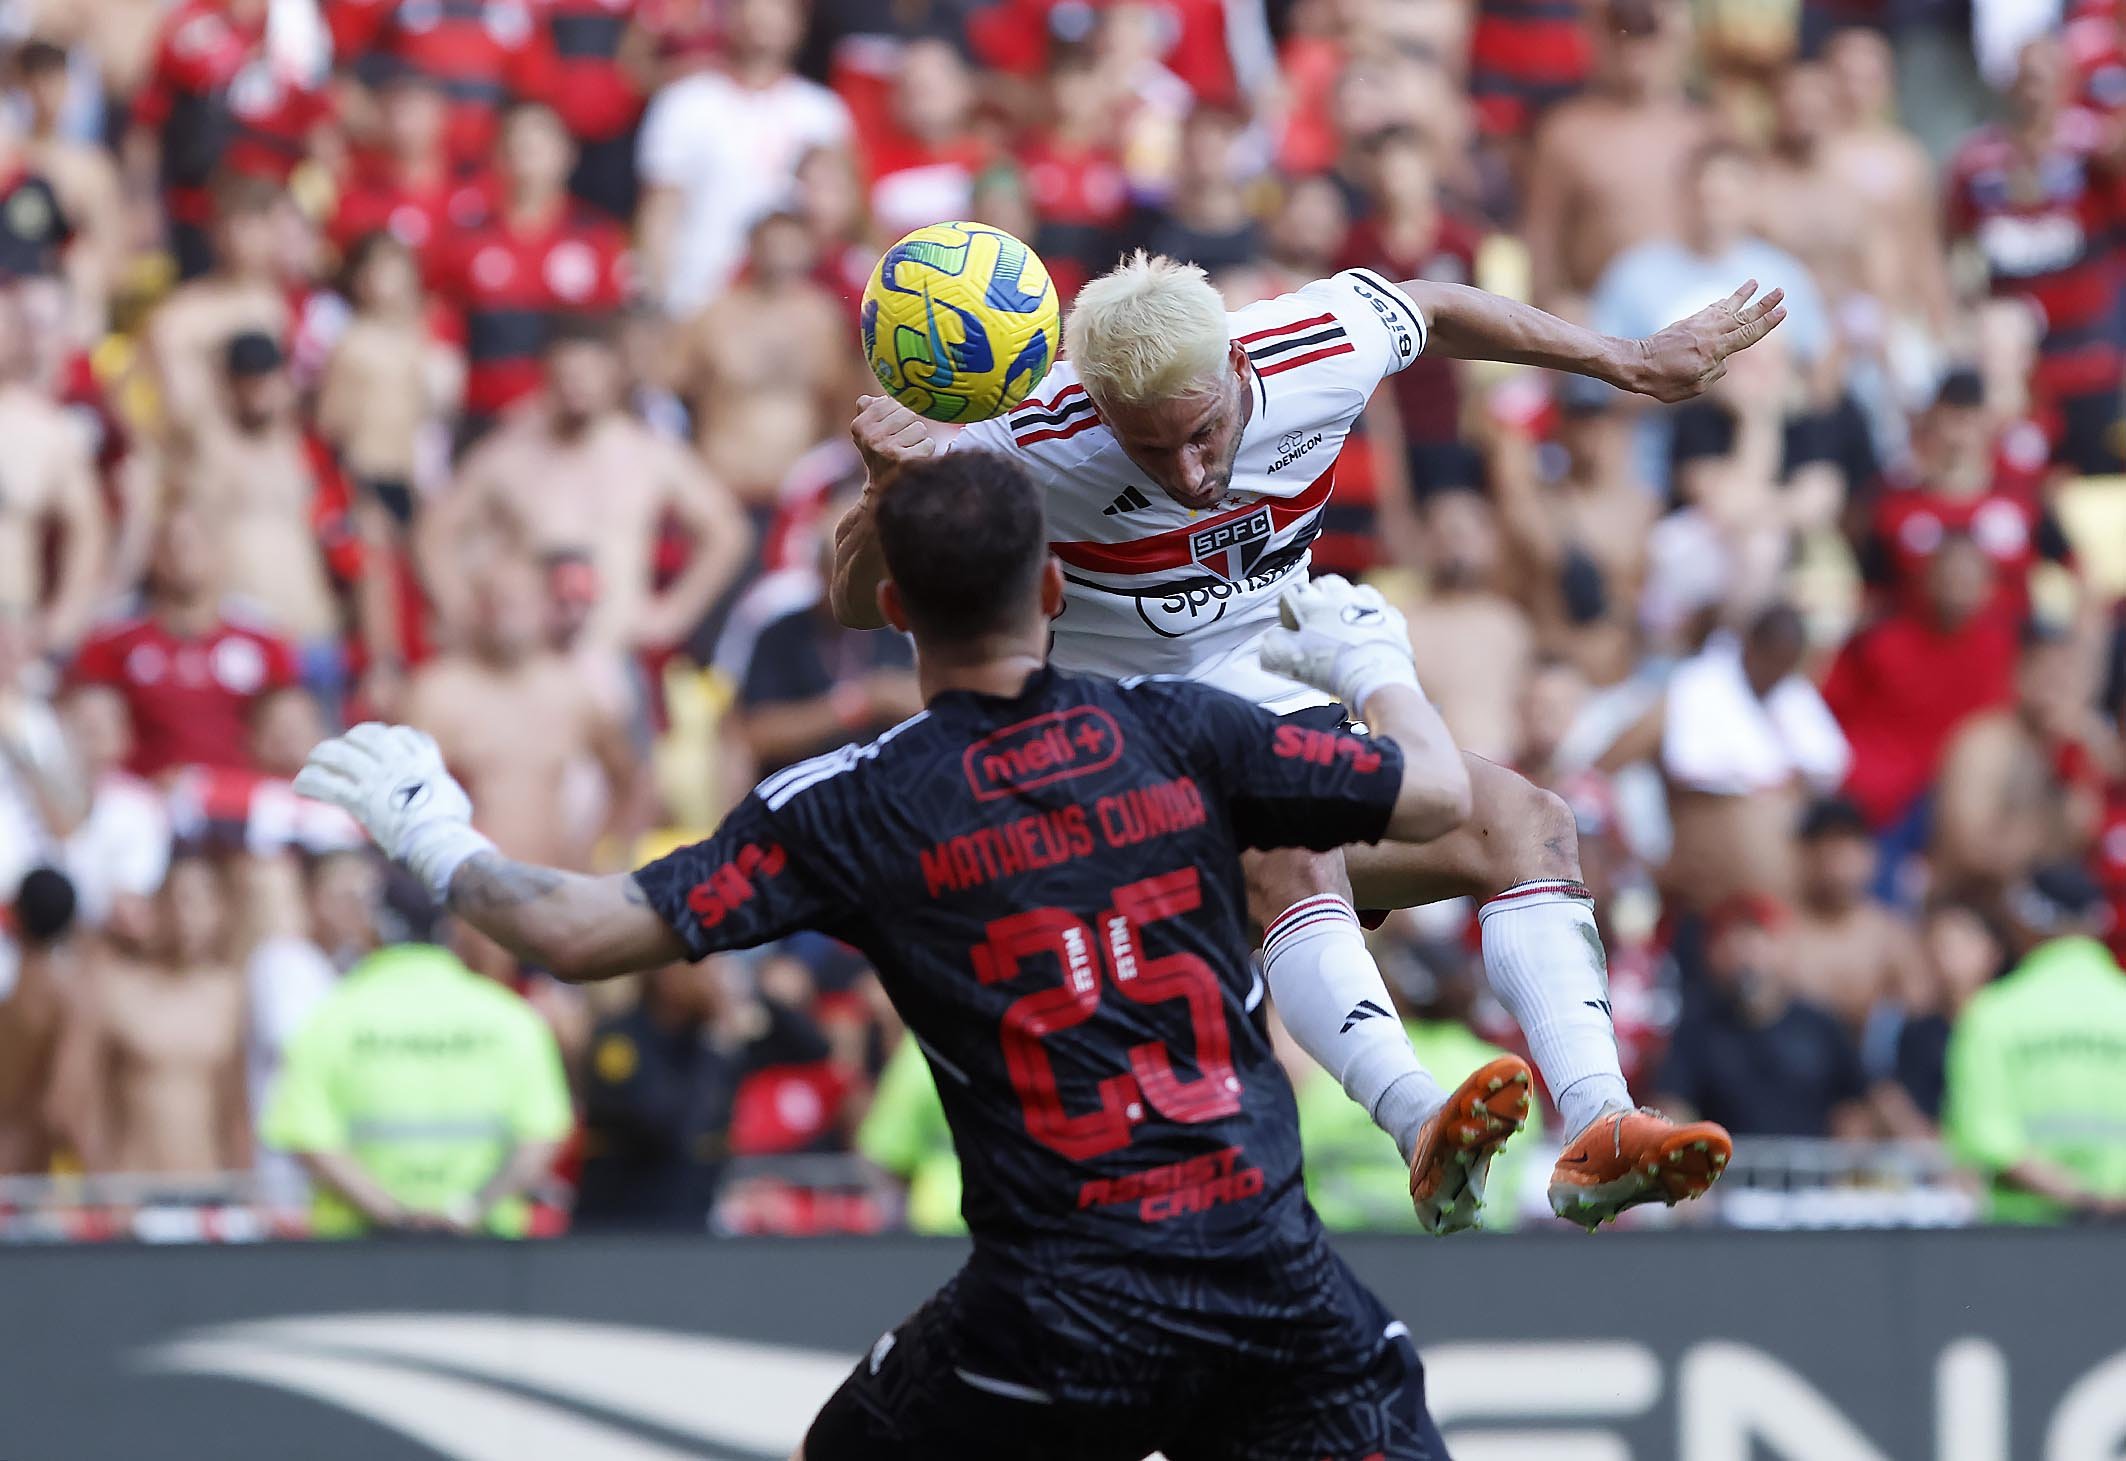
(1340, 637)
(391, 779)
(1688, 356)
(889, 436)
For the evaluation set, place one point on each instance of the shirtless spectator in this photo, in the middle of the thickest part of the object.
(1882, 172)
(575, 473)
(719, 148)
(2002, 802)
(1600, 178)
(1576, 545)
(768, 365)
(1472, 643)
(258, 486)
(84, 177)
(151, 1065)
(33, 1010)
(1847, 950)
(478, 700)
(242, 292)
(48, 499)
(189, 670)
(1801, 201)
(1746, 741)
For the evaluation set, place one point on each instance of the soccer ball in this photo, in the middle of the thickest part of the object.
(960, 321)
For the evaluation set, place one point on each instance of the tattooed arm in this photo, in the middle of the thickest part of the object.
(576, 927)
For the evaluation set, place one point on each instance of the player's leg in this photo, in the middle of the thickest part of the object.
(1518, 855)
(1331, 997)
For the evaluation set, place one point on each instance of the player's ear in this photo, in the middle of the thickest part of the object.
(889, 605)
(1051, 587)
(1236, 355)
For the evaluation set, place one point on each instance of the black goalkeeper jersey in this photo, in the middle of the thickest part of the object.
(1050, 889)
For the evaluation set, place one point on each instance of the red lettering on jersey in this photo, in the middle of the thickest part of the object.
(734, 884)
(1322, 748)
(1142, 813)
(1178, 1188)
(1051, 747)
(988, 853)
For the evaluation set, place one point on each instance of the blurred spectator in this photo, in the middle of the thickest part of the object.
(924, 160)
(1206, 218)
(905, 1133)
(191, 674)
(719, 147)
(2036, 1097)
(51, 502)
(289, 975)
(2019, 785)
(574, 473)
(237, 290)
(477, 700)
(810, 685)
(539, 259)
(1910, 1043)
(2033, 198)
(1604, 171)
(405, 183)
(1576, 543)
(1747, 1052)
(150, 1074)
(1472, 642)
(601, 57)
(40, 968)
(1074, 171)
(757, 410)
(122, 845)
(234, 92)
(84, 178)
(480, 54)
(420, 1098)
(1355, 1179)
(1745, 741)
(41, 796)
(660, 1092)
(1709, 251)
(1847, 951)
(1902, 685)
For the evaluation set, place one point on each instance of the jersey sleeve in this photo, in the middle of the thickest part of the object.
(1285, 784)
(745, 885)
(1386, 330)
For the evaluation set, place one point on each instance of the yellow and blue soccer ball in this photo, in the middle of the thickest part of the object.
(960, 321)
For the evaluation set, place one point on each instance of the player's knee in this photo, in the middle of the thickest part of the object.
(1541, 836)
(1277, 880)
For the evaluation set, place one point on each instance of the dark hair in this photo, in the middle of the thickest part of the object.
(1832, 816)
(44, 906)
(964, 538)
(242, 195)
(40, 57)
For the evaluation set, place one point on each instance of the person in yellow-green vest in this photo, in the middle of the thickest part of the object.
(905, 1133)
(421, 1098)
(2036, 1079)
(1357, 1181)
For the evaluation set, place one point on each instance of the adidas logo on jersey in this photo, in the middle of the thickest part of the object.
(1130, 501)
(1365, 1009)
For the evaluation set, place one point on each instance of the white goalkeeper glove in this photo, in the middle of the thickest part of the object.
(1340, 637)
(391, 779)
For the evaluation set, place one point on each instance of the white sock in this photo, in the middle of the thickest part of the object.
(1546, 965)
(1330, 996)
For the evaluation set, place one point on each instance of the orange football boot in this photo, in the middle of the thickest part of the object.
(1455, 1145)
(1629, 1157)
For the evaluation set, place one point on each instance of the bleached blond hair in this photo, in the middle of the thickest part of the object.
(1149, 329)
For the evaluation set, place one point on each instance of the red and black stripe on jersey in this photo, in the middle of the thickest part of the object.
(1301, 342)
(1170, 551)
(1060, 417)
(586, 84)
(1524, 57)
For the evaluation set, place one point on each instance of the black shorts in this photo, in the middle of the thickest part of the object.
(977, 1374)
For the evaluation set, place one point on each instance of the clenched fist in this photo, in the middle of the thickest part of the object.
(889, 436)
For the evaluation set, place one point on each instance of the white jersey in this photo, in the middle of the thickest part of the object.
(1152, 587)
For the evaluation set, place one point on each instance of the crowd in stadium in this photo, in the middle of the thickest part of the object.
(486, 365)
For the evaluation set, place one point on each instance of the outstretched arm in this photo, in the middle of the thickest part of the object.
(392, 780)
(1674, 365)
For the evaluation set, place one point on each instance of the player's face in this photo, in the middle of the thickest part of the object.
(1186, 444)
